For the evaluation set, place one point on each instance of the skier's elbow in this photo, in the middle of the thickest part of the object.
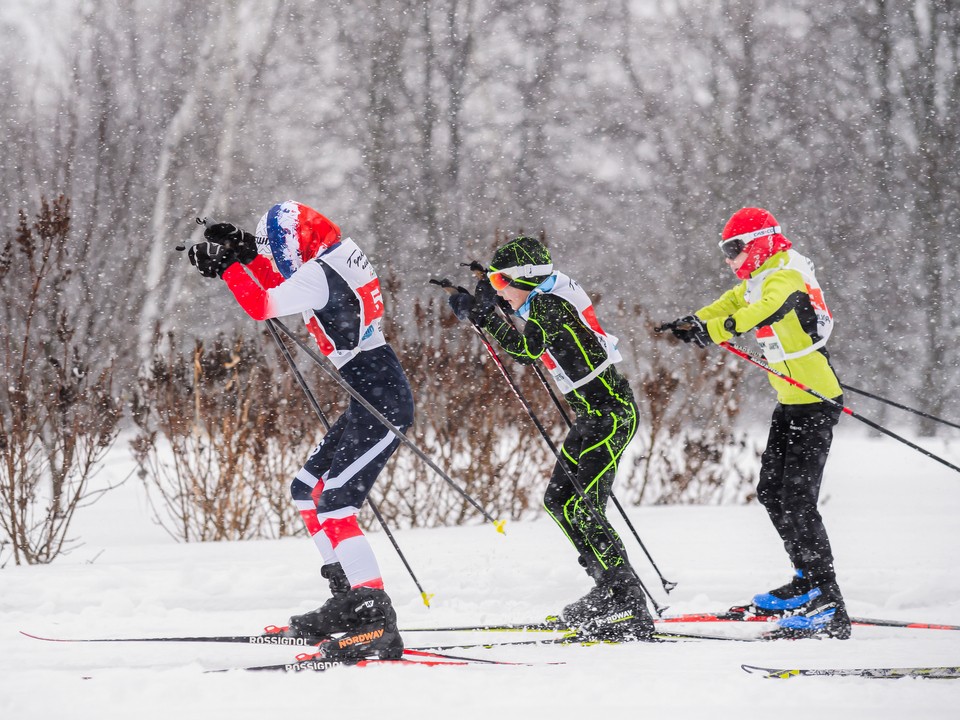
(259, 313)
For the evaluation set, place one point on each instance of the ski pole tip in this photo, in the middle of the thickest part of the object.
(499, 525)
(426, 598)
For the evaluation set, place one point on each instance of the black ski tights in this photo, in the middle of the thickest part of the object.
(790, 474)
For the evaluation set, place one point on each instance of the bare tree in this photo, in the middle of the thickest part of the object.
(226, 75)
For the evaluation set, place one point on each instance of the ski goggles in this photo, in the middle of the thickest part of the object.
(731, 247)
(500, 279)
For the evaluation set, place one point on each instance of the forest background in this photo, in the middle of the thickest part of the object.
(625, 131)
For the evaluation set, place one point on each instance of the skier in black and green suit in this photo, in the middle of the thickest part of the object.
(562, 331)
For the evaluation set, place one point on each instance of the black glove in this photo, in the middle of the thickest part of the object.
(485, 299)
(211, 259)
(691, 329)
(462, 304)
(240, 242)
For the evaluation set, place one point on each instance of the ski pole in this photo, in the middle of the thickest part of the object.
(898, 405)
(326, 426)
(761, 364)
(480, 271)
(498, 524)
(602, 522)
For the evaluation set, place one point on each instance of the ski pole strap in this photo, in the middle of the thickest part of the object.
(761, 364)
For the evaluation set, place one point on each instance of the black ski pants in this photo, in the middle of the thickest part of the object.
(791, 470)
(591, 453)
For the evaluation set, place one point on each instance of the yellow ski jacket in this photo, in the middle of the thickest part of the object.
(783, 304)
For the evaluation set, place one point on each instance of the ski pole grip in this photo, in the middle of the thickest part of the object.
(446, 285)
(477, 268)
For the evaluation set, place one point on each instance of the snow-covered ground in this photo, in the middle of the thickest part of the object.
(892, 515)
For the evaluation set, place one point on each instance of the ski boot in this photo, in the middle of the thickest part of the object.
(825, 616)
(326, 620)
(787, 599)
(336, 578)
(371, 629)
(623, 614)
(596, 602)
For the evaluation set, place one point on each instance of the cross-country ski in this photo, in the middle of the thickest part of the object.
(888, 673)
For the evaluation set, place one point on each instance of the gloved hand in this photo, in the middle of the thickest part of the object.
(211, 259)
(240, 242)
(690, 328)
(462, 303)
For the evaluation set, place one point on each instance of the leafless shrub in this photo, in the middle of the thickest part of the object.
(58, 417)
(690, 450)
(222, 431)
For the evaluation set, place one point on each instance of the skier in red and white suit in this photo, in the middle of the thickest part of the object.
(299, 263)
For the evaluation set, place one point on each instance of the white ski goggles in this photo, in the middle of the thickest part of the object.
(731, 247)
(502, 278)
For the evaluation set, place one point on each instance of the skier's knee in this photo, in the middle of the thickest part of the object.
(339, 529)
(299, 490)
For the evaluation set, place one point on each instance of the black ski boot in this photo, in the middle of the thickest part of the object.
(329, 618)
(336, 578)
(324, 622)
(592, 604)
(595, 602)
(371, 630)
(824, 617)
(624, 615)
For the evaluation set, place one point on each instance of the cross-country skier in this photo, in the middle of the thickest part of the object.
(300, 265)
(562, 331)
(780, 300)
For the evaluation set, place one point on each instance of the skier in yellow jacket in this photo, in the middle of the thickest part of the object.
(780, 300)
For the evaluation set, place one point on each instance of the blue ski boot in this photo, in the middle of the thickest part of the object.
(787, 599)
(825, 616)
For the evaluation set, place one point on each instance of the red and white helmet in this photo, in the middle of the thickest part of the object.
(292, 233)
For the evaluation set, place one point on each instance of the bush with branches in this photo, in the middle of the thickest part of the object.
(58, 417)
(222, 429)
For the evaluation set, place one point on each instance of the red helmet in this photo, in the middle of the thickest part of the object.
(746, 226)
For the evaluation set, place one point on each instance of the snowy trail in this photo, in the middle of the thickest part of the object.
(892, 516)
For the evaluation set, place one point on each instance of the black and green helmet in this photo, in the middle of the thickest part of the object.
(525, 261)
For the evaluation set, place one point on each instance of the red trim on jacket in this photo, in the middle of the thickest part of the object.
(263, 271)
(252, 298)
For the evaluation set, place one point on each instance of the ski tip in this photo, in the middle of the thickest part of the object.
(500, 525)
(770, 672)
(40, 637)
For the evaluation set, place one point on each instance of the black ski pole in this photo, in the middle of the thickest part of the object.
(602, 522)
(498, 524)
(898, 405)
(786, 378)
(480, 271)
(311, 398)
